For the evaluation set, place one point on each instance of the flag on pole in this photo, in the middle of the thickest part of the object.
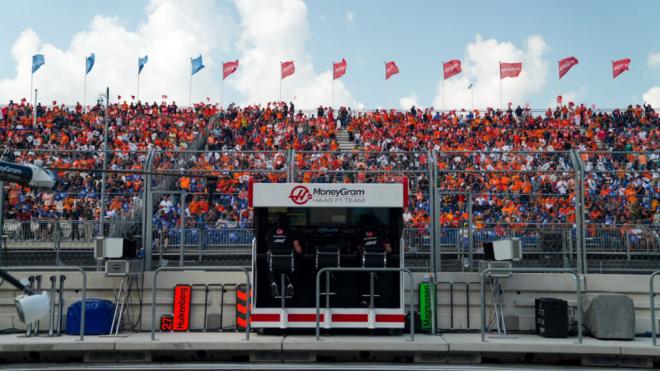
(451, 68)
(338, 69)
(197, 64)
(391, 69)
(89, 64)
(228, 68)
(288, 69)
(37, 61)
(566, 64)
(620, 66)
(510, 69)
(141, 62)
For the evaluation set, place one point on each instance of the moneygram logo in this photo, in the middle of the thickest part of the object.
(300, 195)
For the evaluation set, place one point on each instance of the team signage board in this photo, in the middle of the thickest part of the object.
(327, 195)
(182, 296)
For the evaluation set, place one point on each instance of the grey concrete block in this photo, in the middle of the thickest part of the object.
(611, 316)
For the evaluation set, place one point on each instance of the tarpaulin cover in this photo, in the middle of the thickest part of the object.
(98, 317)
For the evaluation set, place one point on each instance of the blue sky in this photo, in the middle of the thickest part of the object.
(418, 35)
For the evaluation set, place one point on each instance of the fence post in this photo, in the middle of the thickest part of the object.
(579, 212)
(292, 164)
(183, 228)
(470, 231)
(435, 256)
(435, 218)
(147, 211)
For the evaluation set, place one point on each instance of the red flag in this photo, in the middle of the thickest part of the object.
(620, 66)
(451, 68)
(54, 103)
(132, 97)
(391, 69)
(288, 69)
(338, 69)
(510, 69)
(566, 64)
(228, 68)
(559, 99)
(208, 99)
(119, 97)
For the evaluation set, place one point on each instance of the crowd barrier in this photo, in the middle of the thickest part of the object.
(456, 204)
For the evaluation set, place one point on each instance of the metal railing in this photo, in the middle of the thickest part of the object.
(154, 290)
(588, 242)
(482, 292)
(652, 303)
(411, 288)
(62, 269)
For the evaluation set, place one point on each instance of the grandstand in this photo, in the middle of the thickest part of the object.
(588, 177)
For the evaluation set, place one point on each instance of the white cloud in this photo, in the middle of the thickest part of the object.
(172, 32)
(408, 101)
(265, 43)
(322, 18)
(480, 67)
(350, 17)
(654, 60)
(652, 96)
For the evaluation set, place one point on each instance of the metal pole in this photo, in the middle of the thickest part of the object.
(443, 86)
(652, 302)
(190, 86)
(470, 231)
(183, 227)
(436, 256)
(222, 87)
(280, 82)
(85, 88)
(148, 212)
(105, 165)
(501, 107)
(332, 95)
(34, 110)
(138, 90)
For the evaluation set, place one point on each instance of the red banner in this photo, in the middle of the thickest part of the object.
(510, 69)
(182, 295)
(451, 68)
(559, 99)
(339, 69)
(228, 68)
(391, 69)
(288, 69)
(566, 64)
(620, 66)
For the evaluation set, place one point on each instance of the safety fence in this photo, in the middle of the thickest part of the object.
(589, 211)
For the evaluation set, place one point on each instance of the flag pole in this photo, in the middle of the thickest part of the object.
(34, 108)
(222, 81)
(190, 85)
(280, 82)
(443, 86)
(332, 94)
(138, 80)
(85, 87)
(31, 81)
(501, 107)
(472, 96)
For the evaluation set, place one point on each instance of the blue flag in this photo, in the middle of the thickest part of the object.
(37, 61)
(141, 63)
(90, 63)
(197, 64)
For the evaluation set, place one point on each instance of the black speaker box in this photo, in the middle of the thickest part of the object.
(131, 247)
(551, 317)
(489, 254)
